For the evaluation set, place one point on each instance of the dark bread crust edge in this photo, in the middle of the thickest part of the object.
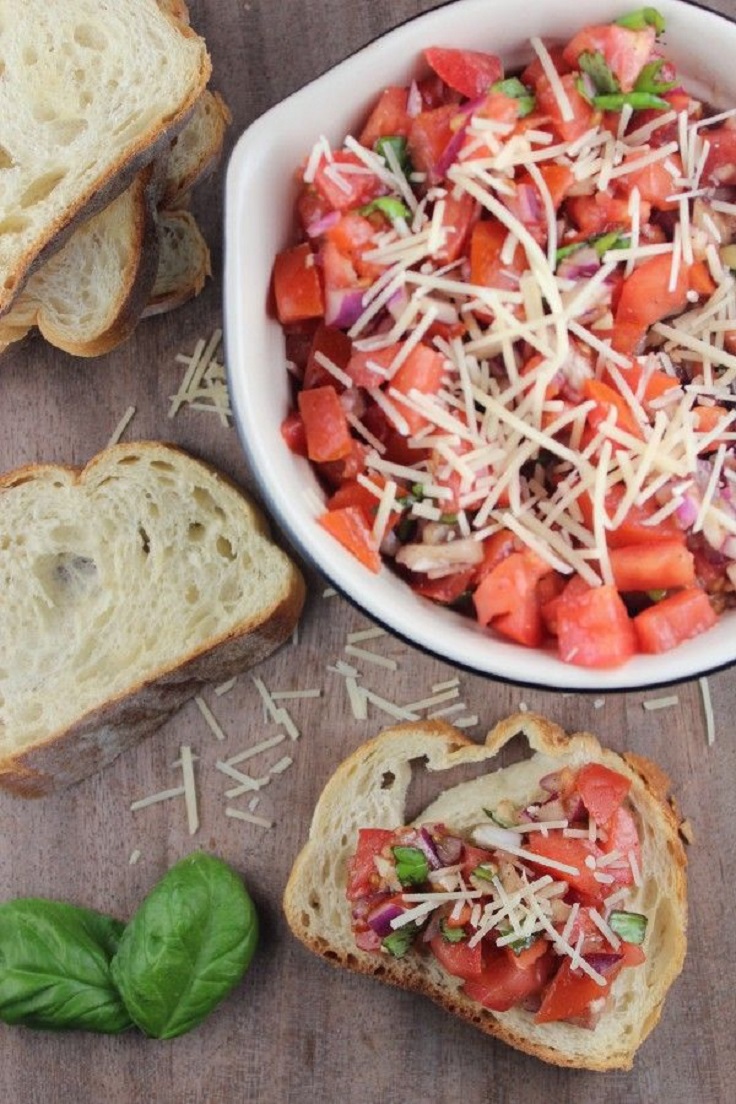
(102, 734)
(455, 747)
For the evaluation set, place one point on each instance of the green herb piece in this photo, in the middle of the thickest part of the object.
(452, 935)
(629, 926)
(597, 68)
(399, 941)
(520, 944)
(648, 81)
(448, 519)
(389, 206)
(656, 595)
(640, 101)
(187, 946)
(515, 90)
(55, 967)
(485, 872)
(600, 242)
(641, 19)
(412, 867)
(398, 145)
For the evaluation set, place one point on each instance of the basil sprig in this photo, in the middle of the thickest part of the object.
(399, 941)
(452, 935)
(646, 93)
(630, 926)
(412, 867)
(399, 147)
(600, 242)
(515, 90)
(389, 206)
(641, 19)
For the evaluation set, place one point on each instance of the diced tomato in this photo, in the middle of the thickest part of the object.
(606, 398)
(296, 286)
(707, 419)
(583, 115)
(501, 984)
(720, 164)
(353, 493)
(653, 182)
(474, 856)
(325, 424)
(422, 371)
(626, 52)
(495, 548)
(622, 838)
(458, 959)
(535, 71)
(292, 431)
(525, 958)
(311, 207)
(570, 994)
(349, 527)
(499, 107)
(633, 528)
(447, 589)
(388, 118)
(362, 876)
(572, 853)
(354, 188)
(660, 566)
(333, 344)
(676, 618)
(602, 790)
(645, 384)
(335, 472)
(679, 101)
(429, 135)
(646, 298)
(507, 598)
(351, 233)
(359, 366)
(457, 219)
(469, 72)
(601, 213)
(486, 266)
(594, 628)
(701, 280)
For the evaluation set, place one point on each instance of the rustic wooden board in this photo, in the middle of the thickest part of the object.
(297, 1030)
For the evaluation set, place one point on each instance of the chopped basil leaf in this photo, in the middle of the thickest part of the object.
(656, 595)
(398, 144)
(630, 926)
(486, 872)
(515, 90)
(417, 489)
(600, 242)
(412, 867)
(399, 941)
(520, 944)
(452, 935)
(641, 19)
(389, 206)
(647, 79)
(597, 68)
(640, 101)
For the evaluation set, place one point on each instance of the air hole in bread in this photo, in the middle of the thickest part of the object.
(13, 224)
(306, 920)
(225, 548)
(387, 780)
(145, 540)
(64, 131)
(191, 595)
(41, 188)
(157, 465)
(90, 37)
(314, 902)
(196, 531)
(30, 55)
(207, 503)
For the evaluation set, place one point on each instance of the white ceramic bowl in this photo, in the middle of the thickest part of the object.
(260, 221)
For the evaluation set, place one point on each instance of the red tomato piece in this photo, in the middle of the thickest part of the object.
(594, 628)
(446, 590)
(646, 298)
(535, 71)
(570, 993)
(572, 853)
(335, 472)
(362, 876)
(457, 219)
(351, 233)
(345, 189)
(353, 493)
(654, 183)
(501, 985)
(676, 618)
(507, 598)
(660, 566)
(583, 115)
(633, 528)
(296, 285)
(333, 344)
(474, 856)
(468, 72)
(359, 366)
(422, 371)
(720, 164)
(292, 431)
(458, 959)
(601, 213)
(495, 548)
(325, 424)
(646, 385)
(622, 837)
(388, 118)
(522, 960)
(626, 52)
(486, 266)
(349, 527)
(602, 790)
(605, 398)
(429, 135)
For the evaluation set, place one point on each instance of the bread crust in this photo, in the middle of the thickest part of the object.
(319, 878)
(100, 734)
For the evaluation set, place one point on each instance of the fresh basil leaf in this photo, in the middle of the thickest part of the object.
(612, 240)
(398, 145)
(515, 90)
(641, 19)
(186, 947)
(656, 595)
(55, 967)
(452, 935)
(399, 941)
(630, 926)
(597, 68)
(412, 867)
(647, 79)
(640, 101)
(486, 872)
(389, 206)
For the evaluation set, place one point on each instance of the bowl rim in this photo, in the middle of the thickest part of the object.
(293, 530)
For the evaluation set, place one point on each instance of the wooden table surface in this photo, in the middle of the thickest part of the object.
(296, 1030)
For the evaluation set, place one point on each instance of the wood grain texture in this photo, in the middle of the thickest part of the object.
(297, 1031)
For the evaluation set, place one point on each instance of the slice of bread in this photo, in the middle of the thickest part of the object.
(90, 92)
(88, 297)
(196, 150)
(126, 586)
(183, 263)
(369, 790)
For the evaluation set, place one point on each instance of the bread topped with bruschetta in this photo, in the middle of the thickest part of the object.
(543, 902)
(126, 587)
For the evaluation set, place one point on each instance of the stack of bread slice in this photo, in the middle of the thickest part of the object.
(111, 125)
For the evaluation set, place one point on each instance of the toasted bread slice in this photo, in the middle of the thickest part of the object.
(90, 93)
(183, 263)
(126, 586)
(369, 790)
(196, 150)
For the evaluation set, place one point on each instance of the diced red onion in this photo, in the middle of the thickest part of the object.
(602, 963)
(528, 204)
(323, 224)
(426, 845)
(687, 512)
(581, 264)
(449, 849)
(343, 307)
(414, 103)
(380, 918)
(433, 927)
(398, 302)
